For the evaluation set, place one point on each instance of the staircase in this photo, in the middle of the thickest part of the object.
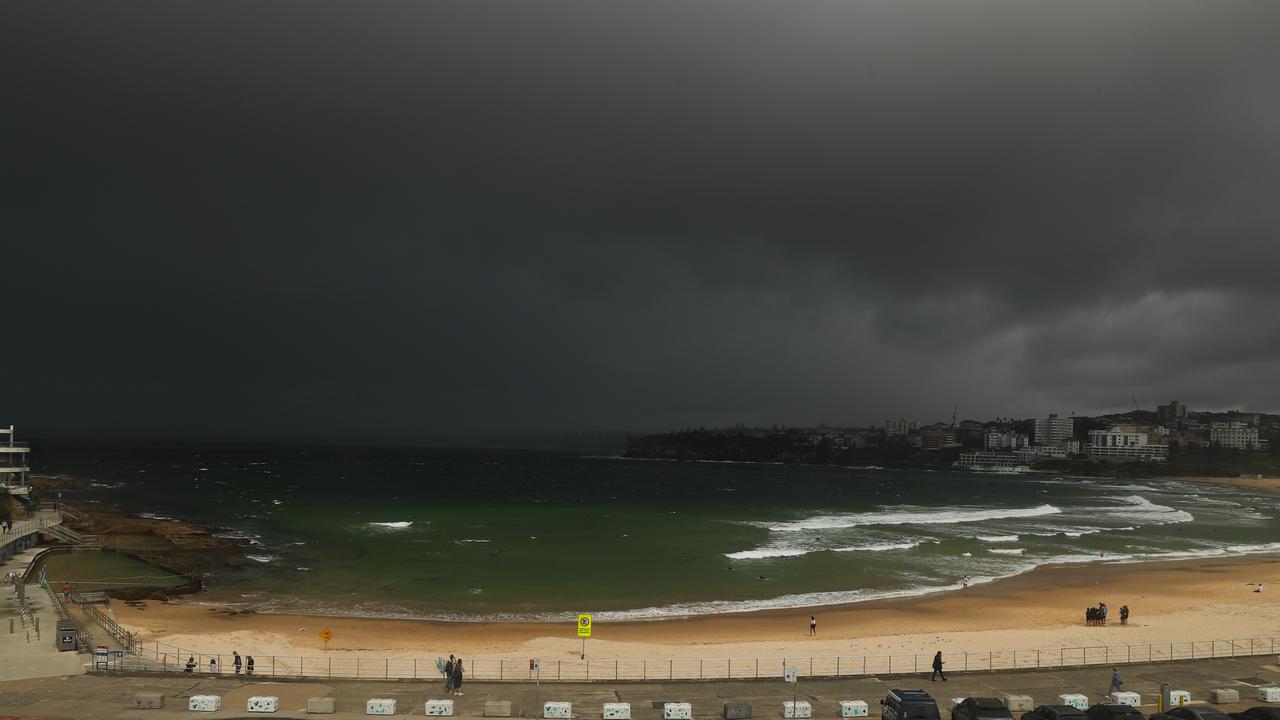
(76, 540)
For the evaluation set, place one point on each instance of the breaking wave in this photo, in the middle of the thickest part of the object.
(922, 516)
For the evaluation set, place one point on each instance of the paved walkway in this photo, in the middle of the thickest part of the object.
(23, 528)
(111, 696)
(22, 653)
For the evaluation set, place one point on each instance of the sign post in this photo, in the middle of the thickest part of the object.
(584, 632)
(535, 666)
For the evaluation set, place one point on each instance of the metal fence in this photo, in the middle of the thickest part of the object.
(160, 657)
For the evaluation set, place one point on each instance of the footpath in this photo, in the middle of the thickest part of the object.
(110, 696)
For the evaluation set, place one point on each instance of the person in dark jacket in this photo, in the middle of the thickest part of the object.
(937, 668)
(237, 662)
(191, 664)
(457, 677)
(1116, 682)
(248, 664)
(448, 675)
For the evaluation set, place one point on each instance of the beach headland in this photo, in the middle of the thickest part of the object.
(1172, 601)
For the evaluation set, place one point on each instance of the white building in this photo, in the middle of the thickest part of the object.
(13, 464)
(898, 427)
(1123, 444)
(1234, 435)
(996, 440)
(984, 460)
(1030, 454)
(1053, 430)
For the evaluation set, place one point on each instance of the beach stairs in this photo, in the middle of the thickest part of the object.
(77, 540)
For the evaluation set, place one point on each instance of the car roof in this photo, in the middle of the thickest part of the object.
(987, 702)
(915, 694)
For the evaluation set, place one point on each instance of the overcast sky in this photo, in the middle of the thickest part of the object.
(401, 220)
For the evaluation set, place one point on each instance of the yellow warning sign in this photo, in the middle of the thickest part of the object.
(584, 625)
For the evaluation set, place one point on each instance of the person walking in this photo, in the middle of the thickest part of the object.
(457, 677)
(237, 662)
(813, 625)
(448, 675)
(1124, 614)
(1116, 682)
(937, 668)
(248, 664)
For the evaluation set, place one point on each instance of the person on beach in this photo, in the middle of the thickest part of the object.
(1103, 607)
(813, 625)
(237, 662)
(1124, 614)
(248, 664)
(448, 675)
(191, 664)
(937, 668)
(457, 677)
(1116, 682)
(66, 591)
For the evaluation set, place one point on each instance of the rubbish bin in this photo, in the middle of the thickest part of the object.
(65, 638)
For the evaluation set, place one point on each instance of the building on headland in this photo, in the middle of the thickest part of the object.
(1124, 443)
(938, 437)
(1031, 453)
(1174, 411)
(13, 464)
(1052, 430)
(899, 427)
(1237, 435)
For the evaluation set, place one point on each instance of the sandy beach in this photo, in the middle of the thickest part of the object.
(1171, 602)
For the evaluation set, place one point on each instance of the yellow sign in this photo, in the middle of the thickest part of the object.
(584, 626)
(325, 635)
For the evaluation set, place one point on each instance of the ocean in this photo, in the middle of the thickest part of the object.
(512, 535)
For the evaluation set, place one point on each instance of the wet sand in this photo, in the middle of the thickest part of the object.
(1171, 602)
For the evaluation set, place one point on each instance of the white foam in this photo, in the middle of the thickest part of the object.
(398, 525)
(1142, 511)
(921, 516)
(762, 553)
(467, 540)
(263, 558)
(880, 547)
(779, 551)
(998, 538)
(1007, 551)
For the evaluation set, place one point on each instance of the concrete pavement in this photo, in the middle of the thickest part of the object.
(111, 696)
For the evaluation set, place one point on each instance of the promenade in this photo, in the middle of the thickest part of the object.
(111, 695)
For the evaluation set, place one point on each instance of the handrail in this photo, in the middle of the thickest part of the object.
(83, 635)
(162, 657)
(122, 636)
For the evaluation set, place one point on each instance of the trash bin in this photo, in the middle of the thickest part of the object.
(65, 638)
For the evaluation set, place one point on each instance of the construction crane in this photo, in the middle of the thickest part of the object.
(1135, 403)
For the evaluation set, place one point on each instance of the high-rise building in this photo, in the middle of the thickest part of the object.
(1173, 411)
(1053, 430)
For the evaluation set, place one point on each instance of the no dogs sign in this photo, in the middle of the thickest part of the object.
(584, 625)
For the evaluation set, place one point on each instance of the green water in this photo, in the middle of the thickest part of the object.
(103, 570)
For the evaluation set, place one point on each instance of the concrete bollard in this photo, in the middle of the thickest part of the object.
(1224, 696)
(1269, 694)
(263, 704)
(797, 709)
(853, 708)
(205, 703)
(1179, 697)
(444, 708)
(147, 701)
(616, 711)
(737, 711)
(1075, 700)
(558, 710)
(320, 706)
(1017, 703)
(677, 711)
(497, 708)
(380, 706)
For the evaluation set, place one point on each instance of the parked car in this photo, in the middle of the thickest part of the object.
(979, 708)
(1257, 713)
(1113, 711)
(909, 705)
(1054, 712)
(1193, 712)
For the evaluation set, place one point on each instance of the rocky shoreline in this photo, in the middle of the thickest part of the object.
(175, 545)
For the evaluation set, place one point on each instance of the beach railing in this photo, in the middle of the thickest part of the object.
(161, 657)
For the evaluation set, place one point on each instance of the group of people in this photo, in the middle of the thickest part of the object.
(452, 670)
(245, 664)
(1098, 615)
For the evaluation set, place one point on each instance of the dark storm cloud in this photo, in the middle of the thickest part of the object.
(407, 219)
